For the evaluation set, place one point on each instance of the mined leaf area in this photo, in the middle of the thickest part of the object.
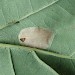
(55, 15)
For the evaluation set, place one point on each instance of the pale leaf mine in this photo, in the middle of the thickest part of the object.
(35, 37)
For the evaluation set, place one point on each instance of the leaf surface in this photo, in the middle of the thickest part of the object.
(55, 15)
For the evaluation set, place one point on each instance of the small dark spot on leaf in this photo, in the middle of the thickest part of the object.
(17, 22)
(22, 39)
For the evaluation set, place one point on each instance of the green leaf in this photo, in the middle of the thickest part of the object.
(16, 60)
(55, 15)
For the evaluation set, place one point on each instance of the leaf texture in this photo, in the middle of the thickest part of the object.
(55, 15)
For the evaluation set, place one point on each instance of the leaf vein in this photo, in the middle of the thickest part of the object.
(24, 17)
